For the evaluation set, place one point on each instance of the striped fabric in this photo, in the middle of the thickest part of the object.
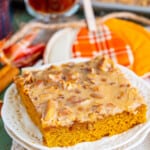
(103, 42)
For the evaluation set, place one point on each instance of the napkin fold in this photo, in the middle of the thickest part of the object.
(138, 38)
(104, 42)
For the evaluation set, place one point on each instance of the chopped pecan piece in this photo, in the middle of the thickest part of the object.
(50, 110)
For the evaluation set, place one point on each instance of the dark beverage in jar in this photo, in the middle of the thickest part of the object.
(51, 6)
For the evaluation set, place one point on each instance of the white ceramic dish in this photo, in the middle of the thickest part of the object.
(18, 122)
(130, 145)
(59, 46)
(22, 145)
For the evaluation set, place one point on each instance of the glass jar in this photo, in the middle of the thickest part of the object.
(42, 9)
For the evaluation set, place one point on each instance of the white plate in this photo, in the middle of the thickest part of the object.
(22, 145)
(59, 46)
(129, 145)
(19, 123)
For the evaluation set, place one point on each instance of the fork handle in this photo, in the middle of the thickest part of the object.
(89, 14)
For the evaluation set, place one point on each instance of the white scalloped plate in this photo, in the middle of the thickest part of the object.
(59, 46)
(18, 122)
(22, 145)
(129, 145)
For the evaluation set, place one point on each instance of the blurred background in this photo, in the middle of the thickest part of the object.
(101, 8)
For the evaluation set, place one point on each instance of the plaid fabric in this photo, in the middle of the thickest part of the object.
(103, 42)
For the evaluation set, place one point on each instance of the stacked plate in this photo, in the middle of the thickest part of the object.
(20, 127)
(22, 130)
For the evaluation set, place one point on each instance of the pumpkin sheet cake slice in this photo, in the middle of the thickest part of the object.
(79, 102)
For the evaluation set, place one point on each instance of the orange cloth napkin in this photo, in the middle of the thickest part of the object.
(139, 40)
(105, 42)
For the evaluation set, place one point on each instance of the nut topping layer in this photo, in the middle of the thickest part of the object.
(82, 92)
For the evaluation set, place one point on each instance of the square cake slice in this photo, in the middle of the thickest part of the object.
(77, 102)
